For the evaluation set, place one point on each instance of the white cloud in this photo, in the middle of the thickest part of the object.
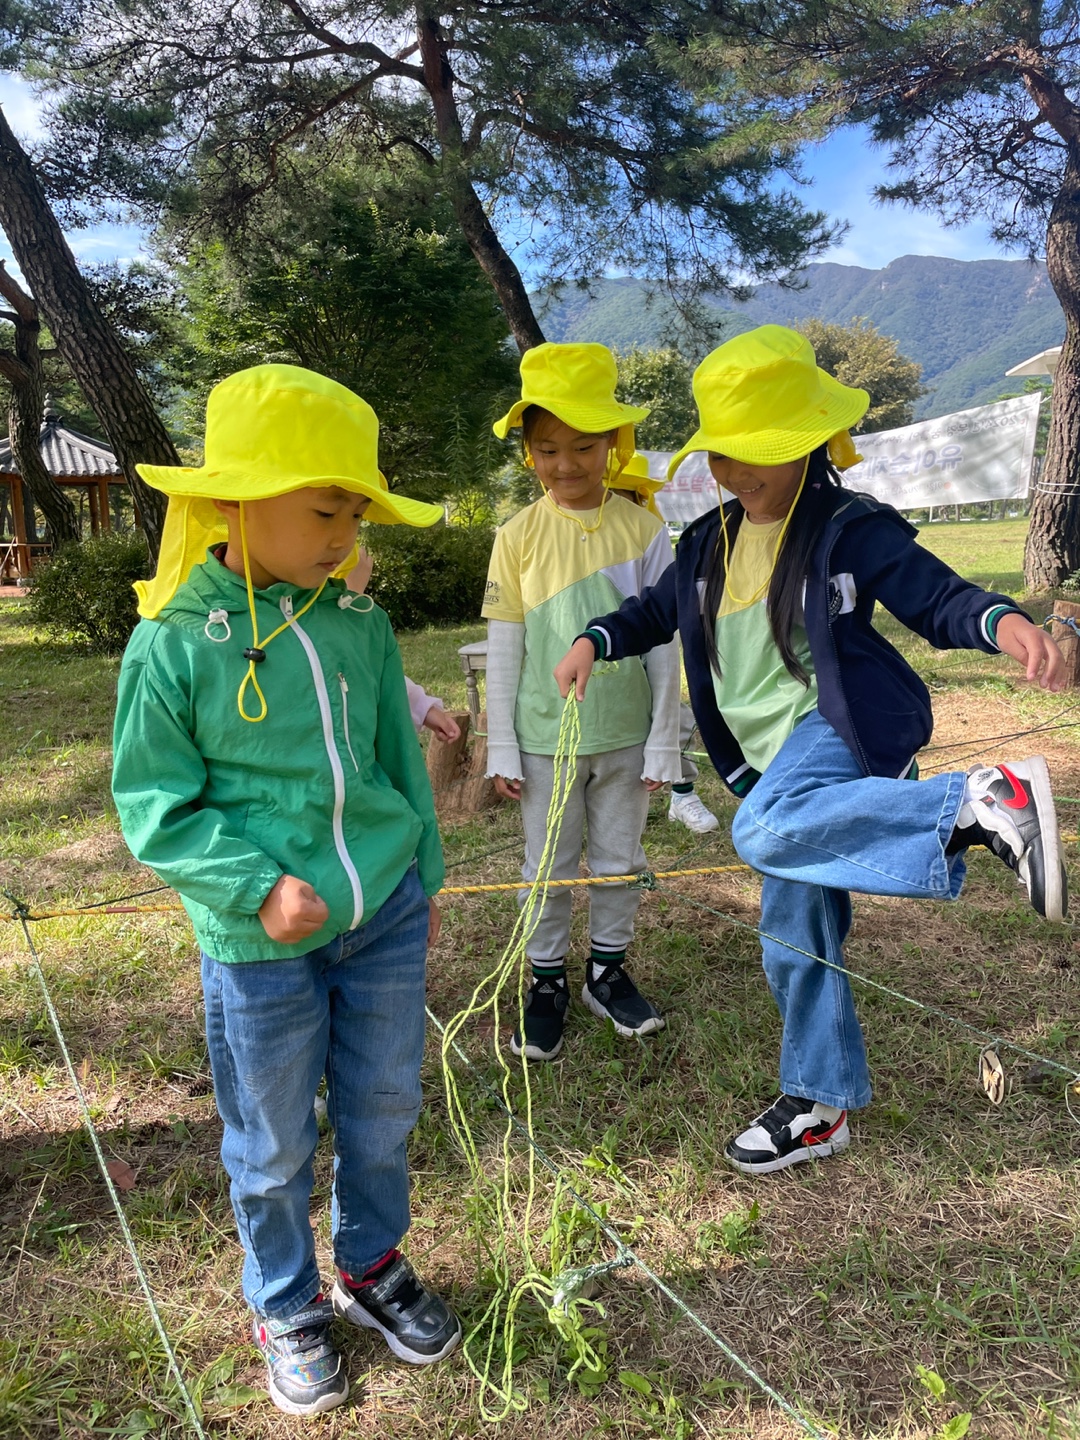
(21, 107)
(98, 243)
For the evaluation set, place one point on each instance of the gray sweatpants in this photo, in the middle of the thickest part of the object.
(606, 794)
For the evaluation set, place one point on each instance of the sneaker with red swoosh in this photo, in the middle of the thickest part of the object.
(791, 1130)
(1010, 810)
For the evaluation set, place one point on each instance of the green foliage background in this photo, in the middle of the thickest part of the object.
(84, 592)
(358, 273)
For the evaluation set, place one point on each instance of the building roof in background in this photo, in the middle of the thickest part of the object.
(65, 452)
(1044, 363)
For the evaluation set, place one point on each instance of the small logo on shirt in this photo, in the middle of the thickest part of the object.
(491, 593)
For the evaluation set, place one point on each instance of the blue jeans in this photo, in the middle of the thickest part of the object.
(353, 1010)
(816, 828)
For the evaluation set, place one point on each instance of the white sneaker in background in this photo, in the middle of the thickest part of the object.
(689, 810)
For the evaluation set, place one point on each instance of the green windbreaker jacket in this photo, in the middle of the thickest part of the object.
(330, 787)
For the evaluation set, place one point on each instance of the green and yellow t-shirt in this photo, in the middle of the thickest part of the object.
(552, 575)
(757, 696)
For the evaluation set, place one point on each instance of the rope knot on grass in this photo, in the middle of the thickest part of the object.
(20, 911)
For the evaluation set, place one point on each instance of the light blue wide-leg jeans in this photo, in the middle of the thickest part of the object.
(353, 1011)
(816, 828)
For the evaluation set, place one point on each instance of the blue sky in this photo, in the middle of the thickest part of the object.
(843, 171)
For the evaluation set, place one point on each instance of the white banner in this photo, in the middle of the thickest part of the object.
(981, 454)
(691, 491)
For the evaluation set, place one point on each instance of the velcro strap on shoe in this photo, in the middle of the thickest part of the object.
(399, 1273)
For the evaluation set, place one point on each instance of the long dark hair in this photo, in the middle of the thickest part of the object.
(812, 510)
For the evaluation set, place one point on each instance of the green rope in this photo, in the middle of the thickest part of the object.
(484, 854)
(982, 1035)
(170, 1354)
(498, 1229)
(568, 1286)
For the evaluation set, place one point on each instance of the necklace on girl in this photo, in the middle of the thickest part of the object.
(586, 530)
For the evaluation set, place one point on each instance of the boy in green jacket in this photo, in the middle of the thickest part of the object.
(266, 766)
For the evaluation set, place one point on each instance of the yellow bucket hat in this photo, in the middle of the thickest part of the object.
(577, 384)
(269, 429)
(763, 399)
(635, 476)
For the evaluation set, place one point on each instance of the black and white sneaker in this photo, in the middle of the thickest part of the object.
(545, 1015)
(417, 1324)
(790, 1130)
(1010, 810)
(304, 1371)
(614, 996)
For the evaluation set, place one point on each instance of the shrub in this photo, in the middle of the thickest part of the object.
(83, 593)
(429, 577)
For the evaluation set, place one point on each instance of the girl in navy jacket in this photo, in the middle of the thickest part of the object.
(814, 719)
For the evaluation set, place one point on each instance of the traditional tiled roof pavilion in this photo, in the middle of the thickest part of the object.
(72, 460)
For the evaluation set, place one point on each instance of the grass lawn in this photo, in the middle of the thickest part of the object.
(929, 1274)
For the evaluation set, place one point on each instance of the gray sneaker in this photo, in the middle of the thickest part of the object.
(305, 1372)
(417, 1324)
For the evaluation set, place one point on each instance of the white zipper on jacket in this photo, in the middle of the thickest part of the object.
(323, 697)
(345, 718)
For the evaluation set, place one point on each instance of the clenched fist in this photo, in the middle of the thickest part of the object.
(292, 911)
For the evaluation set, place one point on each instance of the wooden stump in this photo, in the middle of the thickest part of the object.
(456, 772)
(1068, 640)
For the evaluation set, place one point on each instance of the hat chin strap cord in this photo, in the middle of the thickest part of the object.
(255, 654)
(760, 591)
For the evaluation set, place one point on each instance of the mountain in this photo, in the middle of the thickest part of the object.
(965, 321)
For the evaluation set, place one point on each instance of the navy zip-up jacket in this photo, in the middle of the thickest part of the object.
(866, 691)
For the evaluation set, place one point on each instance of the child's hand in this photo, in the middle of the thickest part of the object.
(508, 789)
(434, 924)
(292, 911)
(574, 669)
(358, 577)
(652, 785)
(1032, 648)
(444, 726)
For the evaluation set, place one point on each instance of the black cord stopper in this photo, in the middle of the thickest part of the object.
(254, 653)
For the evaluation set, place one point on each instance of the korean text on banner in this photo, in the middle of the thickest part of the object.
(690, 492)
(973, 455)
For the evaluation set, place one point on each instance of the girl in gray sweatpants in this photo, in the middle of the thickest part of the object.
(551, 567)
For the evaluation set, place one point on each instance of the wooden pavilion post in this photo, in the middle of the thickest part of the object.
(93, 499)
(104, 518)
(18, 512)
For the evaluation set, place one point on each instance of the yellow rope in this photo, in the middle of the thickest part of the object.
(504, 1236)
(590, 880)
(446, 890)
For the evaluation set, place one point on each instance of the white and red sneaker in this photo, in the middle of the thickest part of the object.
(790, 1130)
(1010, 810)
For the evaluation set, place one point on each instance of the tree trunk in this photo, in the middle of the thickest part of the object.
(23, 371)
(89, 345)
(24, 424)
(502, 273)
(1053, 543)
